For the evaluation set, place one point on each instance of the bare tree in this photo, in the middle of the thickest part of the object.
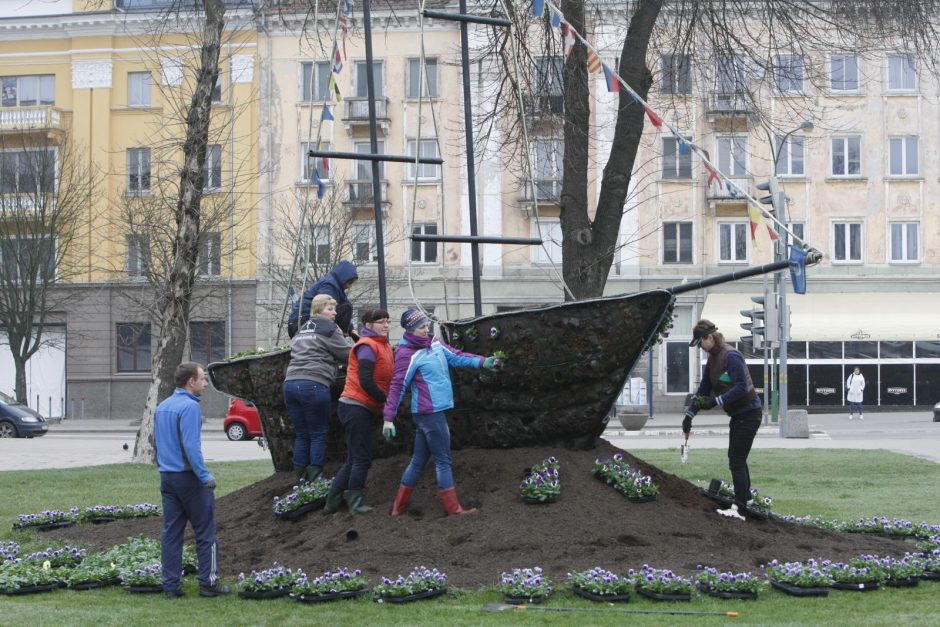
(44, 191)
(753, 36)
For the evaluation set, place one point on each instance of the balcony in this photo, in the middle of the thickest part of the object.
(548, 191)
(20, 119)
(727, 193)
(359, 195)
(729, 104)
(541, 106)
(357, 114)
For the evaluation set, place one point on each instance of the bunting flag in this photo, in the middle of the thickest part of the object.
(337, 59)
(593, 62)
(556, 19)
(655, 120)
(321, 186)
(772, 233)
(684, 148)
(292, 293)
(326, 164)
(613, 85)
(798, 269)
(538, 7)
(335, 88)
(326, 114)
(570, 36)
(713, 176)
(753, 214)
(344, 27)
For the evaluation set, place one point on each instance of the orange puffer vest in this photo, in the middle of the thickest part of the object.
(384, 365)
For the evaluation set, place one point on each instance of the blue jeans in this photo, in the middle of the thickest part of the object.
(308, 405)
(357, 421)
(432, 438)
(853, 407)
(185, 499)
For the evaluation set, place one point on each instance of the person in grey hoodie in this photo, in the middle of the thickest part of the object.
(315, 354)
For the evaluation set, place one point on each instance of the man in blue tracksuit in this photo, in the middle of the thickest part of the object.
(334, 284)
(186, 484)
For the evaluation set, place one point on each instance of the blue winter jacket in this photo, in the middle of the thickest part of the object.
(422, 363)
(331, 284)
(176, 426)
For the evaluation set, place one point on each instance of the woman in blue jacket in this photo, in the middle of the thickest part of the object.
(421, 363)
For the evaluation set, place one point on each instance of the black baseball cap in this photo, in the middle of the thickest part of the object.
(703, 328)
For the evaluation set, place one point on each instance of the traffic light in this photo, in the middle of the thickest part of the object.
(755, 325)
(777, 197)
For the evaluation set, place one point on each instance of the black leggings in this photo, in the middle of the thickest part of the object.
(744, 428)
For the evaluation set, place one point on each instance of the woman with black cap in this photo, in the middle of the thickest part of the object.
(726, 383)
(422, 363)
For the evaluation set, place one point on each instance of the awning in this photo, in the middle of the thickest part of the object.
(901, 316)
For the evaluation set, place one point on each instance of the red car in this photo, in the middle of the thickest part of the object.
(242, 421)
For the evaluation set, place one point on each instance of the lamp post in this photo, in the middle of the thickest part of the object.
(780, 288)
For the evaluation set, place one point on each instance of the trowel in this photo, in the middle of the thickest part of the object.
(684, 449)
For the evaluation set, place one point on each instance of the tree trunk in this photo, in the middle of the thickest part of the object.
(19, 386)
(588, 247)
(174, 303)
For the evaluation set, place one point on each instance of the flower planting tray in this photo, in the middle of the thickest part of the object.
(533, 501)
(532, 600)
(330, 596)
(860, 586)
(931, 575)
(144, 589)
(800, 591)
(408, 598)
(60, 524)
(94, 585)
(909, 582)
(719, 498)
(296, 514)
(729, 594)
(99, 520)
(276, 593)
(604, 598)
(641, 499)
(46, 587)
(664, 596)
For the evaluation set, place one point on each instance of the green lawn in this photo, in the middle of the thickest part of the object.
(830, 483)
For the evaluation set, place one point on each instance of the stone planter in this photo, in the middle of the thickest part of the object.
(632, 421)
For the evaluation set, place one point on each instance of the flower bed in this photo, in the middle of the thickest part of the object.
(269, 583)
(906, 571)
(27, 576)
(598, 584)
(421, 583)
(331, 585)
(862, 573)
(661, 585)
(628, 481)
(305, 497)
(728, 585)
(541, 484)
(96, 571)
(809, 578)
(148, 578)
(49, 519)
(523, 585)
(107, 513)
(66, 557)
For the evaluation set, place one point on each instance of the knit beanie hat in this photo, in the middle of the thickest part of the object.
(412, 319)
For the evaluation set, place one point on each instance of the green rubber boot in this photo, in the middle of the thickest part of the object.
(353, 500)
(300, 471)
(313, 472)
(334, 500)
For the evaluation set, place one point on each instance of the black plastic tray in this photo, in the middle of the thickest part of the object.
(910, 582)
(662, 596)
(296, 514)
(144, 589)
(427, 594)
(47, 587)
(533, 600)
(864, 586)
(604, 598)
(800, 591)
(276, 593)
(727, 594)
(94, 585)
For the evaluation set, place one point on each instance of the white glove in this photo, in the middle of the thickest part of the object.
(388, 430)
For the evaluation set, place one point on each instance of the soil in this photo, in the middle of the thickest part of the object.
(590, 525)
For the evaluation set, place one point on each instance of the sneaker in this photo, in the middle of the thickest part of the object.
(731, 512)
(851, 416)
(861, 417)
(215, 590)
(173, 594)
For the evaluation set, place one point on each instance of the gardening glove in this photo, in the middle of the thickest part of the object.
(388, 430)
(210, 484)
(687, 421)
(490, 363)
(705, 402)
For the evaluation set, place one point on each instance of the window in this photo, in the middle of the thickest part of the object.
(789, 74)
(138, 256)
(847, 156)
(677, 367)
(318, 250)
(424, 252)
(27, 171)
(138, 89)
(902, 72)
(315, 81)
(423, 170)
(363, 240)
(799, 229)
(550, 250)
(138, 170)
(790, 156)
(731, 77)
(847, 242)
(361, 90)
(207, 341)
(212, 172)
(843, 70)
(416, 83)
(732, 242)
(677, 74)
(209, 259)
(548, 167)
(24, 256)
(677, 242)
(677, 159)
(217, 89)
(133, 347)
(363, 167)
(548, 76)
(902, 156)
(308, 164)
(905, 245)
(24, 91)
(732, 155)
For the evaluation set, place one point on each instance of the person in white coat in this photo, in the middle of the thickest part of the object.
(855, 385)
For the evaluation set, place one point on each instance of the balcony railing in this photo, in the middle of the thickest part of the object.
(29, 118)
(726, 192)
(359, 193)
(544, 105)
(548, 191)
(733, 103)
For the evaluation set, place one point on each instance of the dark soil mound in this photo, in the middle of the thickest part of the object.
(590, 525)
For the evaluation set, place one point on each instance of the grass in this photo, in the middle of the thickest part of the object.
(830, 483)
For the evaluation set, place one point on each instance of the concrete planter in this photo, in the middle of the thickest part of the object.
(632, 421)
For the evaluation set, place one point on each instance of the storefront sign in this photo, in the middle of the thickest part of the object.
(860, 335)
(825, 391)
(897, 391)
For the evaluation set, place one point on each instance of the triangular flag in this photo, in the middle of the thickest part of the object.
(593, 62)
(712, 176)
(684, 148)
(538, 7)
(326, 163)
(326, 114)
(321, 186)
(337, 59)
(798, 269)
(754, 215)
(613, 82)
(335, 88)
(556, 19)
(772, 233)
(655, 120)
(570, 36)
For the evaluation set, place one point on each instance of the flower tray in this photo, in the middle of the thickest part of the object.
(719, 498)
(641, 499)
(296, 514)
(60, 524)
(532, 600)
(604, 598)
(800, 591)
(408, 598)
(910, 582)
(94, 585)
(862, 586)
(100, 520)
(47, 587)
(931, 575)
(330, 596)
(664, 596)
(144, 589)
(743, 595)
(276, 593)
(531, 501)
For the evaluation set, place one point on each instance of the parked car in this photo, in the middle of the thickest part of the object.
(242, 421)
(19, 421)
(936, 412)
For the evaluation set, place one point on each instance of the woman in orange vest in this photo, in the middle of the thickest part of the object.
(367, 381)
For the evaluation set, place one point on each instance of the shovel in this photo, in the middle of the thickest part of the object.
(502, 607)
(684, 449)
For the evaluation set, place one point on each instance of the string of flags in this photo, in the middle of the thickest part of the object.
(616, 84)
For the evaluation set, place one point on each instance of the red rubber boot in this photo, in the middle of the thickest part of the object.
(451, 504)
(401, 500)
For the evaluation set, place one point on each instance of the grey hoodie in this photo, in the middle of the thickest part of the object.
(316, 351)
